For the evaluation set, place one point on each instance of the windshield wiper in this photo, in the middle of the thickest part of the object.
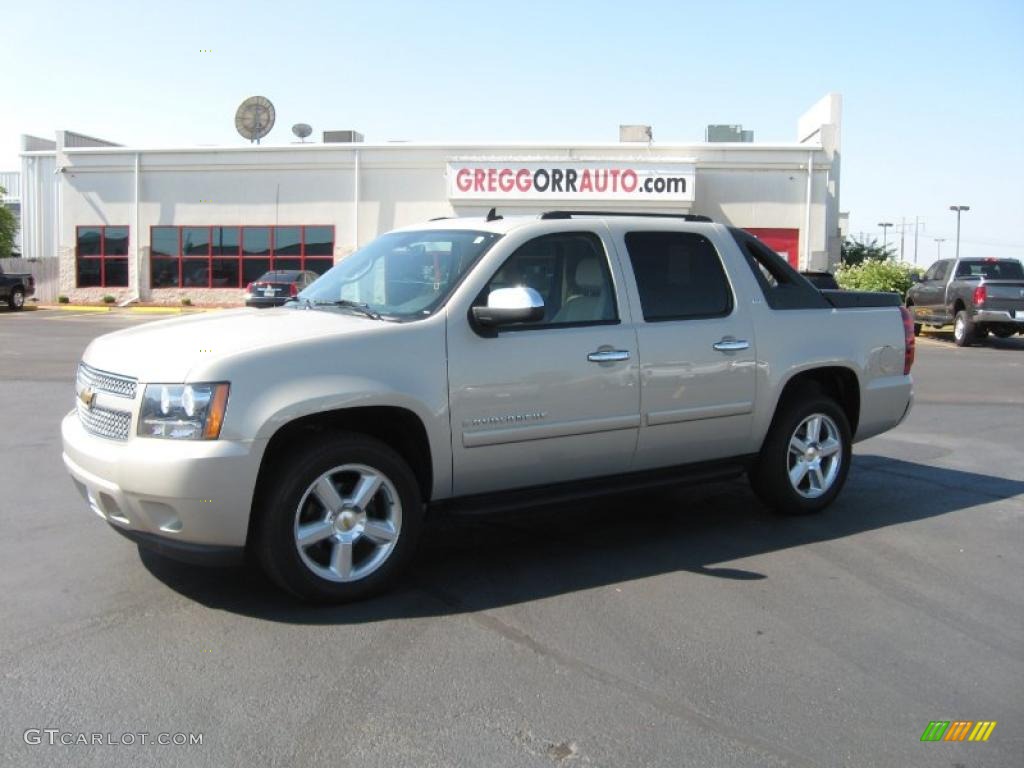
(358, 306)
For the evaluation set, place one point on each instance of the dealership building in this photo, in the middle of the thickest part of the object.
(163, 224)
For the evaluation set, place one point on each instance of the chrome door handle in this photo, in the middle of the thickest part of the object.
(608, 356)
(731, 345)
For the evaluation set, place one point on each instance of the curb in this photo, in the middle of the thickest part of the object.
(73, 308)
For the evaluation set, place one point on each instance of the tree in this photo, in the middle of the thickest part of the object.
(8, 229)
(856, 252)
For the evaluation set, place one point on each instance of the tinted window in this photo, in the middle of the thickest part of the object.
(116, 271)
(164, 241)
(319, 241)
(225, 241)
(570, 272)
(256, 241)
(116, 242)
(89, 242)
(679, 275)
(287, 241)
(993, 269)
(195, 241)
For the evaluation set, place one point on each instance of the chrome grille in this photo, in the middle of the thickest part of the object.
(104, 422)
(103, 381)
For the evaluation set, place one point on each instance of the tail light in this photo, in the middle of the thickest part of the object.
(293, 289)
(248, 288)
(980, 295)
(908, 340)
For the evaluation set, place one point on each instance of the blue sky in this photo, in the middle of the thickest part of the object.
(933, 92)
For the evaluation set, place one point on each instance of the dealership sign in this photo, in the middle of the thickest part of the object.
(572, 180)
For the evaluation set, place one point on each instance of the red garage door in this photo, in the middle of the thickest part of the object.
(786, 242)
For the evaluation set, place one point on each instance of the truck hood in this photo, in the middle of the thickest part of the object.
(167, 350)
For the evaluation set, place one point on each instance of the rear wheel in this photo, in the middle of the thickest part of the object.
(806, 456)
(339, 521)
(917, 326)
(964, 331)
(16, 300)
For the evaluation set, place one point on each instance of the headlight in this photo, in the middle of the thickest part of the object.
(183, 411)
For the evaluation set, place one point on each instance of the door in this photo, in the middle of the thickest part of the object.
(930, 296)
(553, 400)
(697, 357)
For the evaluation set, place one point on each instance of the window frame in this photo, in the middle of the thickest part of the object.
(730, 290)
(270, 257)
(481, 299)
(102, 256)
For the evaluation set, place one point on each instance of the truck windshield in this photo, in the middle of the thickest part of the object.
(402, 275)
(1006, 269)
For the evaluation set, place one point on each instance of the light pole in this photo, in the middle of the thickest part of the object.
(885, 233)
(959, 209)
(938, 246)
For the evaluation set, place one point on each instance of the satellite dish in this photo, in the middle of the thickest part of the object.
(254, 118)
(302, 130)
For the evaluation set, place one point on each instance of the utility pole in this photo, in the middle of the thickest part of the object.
(959, 209)
(903, 233)
(915, 239)
(885, 233)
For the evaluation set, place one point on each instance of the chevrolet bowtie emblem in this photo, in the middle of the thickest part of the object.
(87, 396)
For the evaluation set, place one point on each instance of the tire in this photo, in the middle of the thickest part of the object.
(964, 332)
(917, 326)
(299, 494)
(1003, 333)
(771, 477)
(16, 299)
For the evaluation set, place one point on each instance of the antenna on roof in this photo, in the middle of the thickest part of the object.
(255, 118)
(301, 131)
(492, 215)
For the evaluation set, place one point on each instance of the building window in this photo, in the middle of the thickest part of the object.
(101, 257)
(232, 257)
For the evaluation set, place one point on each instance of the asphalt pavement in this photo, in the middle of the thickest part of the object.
(677, 628)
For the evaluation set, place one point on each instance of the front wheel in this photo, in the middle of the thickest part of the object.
(806, 456)
(338, 521)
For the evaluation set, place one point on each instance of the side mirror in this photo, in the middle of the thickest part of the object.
(510, 305)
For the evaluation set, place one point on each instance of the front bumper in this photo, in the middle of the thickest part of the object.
(183, 494)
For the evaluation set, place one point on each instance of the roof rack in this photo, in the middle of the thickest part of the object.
(570, 214)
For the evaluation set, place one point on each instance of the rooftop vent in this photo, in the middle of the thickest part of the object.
(342, 137)
(641, 133)
(728, 133)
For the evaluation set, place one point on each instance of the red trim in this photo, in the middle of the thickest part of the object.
(783, 241)
(271, 256)
(102, 255)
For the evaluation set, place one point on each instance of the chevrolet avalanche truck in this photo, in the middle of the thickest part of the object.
(480, 363)
(977, 296)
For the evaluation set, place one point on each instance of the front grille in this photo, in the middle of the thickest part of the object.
(103, 381)
(104, 422)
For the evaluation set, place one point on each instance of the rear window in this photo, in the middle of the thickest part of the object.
(992, 269)
(783, 287)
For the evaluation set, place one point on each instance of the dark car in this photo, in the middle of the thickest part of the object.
(823, 281)
(274, 288)
(14, 287)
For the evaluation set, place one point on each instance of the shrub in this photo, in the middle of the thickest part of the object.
(186, 302)
(872, 275)
(62, 299)
(108, 299)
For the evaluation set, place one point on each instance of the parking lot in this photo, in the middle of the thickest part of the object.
(675, 628)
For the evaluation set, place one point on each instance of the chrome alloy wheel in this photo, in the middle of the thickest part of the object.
(815, 455)
(959, 327)
(19, 299)
(348, 522)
